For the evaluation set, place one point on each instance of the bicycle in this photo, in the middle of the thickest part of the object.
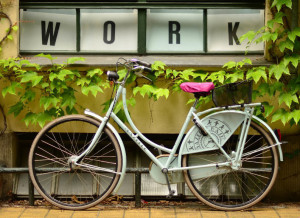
(228, 158)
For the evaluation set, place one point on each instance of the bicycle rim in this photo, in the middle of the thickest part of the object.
(227, 189)
(79, 187)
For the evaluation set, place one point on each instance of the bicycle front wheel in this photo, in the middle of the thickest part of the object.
(78, 187)
(225, 188)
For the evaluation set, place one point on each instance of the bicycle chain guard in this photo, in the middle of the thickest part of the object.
(220, 126)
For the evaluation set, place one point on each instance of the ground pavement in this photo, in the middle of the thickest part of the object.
(152, 210)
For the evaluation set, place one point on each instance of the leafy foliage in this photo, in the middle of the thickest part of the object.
(57, 86)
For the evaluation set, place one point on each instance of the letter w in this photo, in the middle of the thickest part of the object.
(46, 34)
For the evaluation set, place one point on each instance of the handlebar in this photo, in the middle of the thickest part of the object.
(142, 63)
(133, 65)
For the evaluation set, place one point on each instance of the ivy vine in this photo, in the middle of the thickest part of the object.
(59, 84)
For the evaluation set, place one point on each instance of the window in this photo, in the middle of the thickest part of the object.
(139, 27)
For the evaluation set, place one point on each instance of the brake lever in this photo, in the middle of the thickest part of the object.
(141, 75)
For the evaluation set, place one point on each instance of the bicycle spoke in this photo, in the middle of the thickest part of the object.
(96, 175)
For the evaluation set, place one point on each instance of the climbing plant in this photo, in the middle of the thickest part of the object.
(60, 85)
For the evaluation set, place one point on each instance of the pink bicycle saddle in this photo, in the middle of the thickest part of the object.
(193, 87)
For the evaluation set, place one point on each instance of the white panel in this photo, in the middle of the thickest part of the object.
(48, 30)
(151, 188)
(177, 31)
(109, 30)
(224, 27)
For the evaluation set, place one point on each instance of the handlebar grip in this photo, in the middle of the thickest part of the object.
(147, 69)
(143, 63)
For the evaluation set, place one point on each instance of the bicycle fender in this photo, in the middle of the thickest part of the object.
(115, 132)
(221, 126)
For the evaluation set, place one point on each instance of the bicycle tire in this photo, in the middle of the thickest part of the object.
(236, 189)
(81, 187)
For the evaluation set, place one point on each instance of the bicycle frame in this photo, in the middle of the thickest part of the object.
(231, 161)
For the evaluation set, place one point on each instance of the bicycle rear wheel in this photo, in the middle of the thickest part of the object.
(79, 187)
(227, 189)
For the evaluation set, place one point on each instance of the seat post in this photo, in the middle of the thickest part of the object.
(197, 95)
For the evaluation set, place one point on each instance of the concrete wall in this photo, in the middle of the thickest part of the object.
(8, 158)
(287, 186)
(10, 49)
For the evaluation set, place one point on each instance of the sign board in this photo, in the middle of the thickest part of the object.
(48, 30)
(116, 30)
(109, 30)
(225, 27)
(171, 30)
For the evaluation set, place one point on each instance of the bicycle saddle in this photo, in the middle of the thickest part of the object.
(202, 89)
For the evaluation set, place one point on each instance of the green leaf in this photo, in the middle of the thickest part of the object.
(44, 85)
(52, 76)
(250, 35)
(31, 76)
(257, 73)
(294, 59)
(131, 101)
(46, 56)
(63, 73)
(287, 98)
(74, 59)
(286, 44)
(82, 81)
(71, 111)
(30, 118)
(106, 106)
(264, 88)
(68, 98)
(217, 76)
(230, 65)
(280, 3)
(277, 70)
(10, 37)
(94, 89)
(161, 92)
(159, 72)
(11, 89)
(186, 74)
(158, 65)
(282, 115)
(192, 100)
(29, 95)
(293, 34)
(47, 101)
(268, 108)
(295, 115)
(118, 107)
(168, 73)
(200, 74)
(277, 86)
(93, 72)
(277, 19)
(237, 75)
(43, 117)
(15, 28)
(145, 89)
(16, 108)
(122, 73)
(267, 36)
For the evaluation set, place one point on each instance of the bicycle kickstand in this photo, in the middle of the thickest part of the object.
(171, 192)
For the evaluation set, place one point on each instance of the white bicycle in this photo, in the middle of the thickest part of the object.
(229, 158)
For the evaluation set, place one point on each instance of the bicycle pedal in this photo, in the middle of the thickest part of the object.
(171, 194)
